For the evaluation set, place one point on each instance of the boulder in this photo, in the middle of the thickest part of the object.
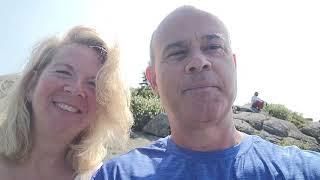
(6, 82)
(294, 132)
(312, 129)
(254, 119)
(5, 85)
(158, 126)
(269, 137)
(276, 127)
(245, 127)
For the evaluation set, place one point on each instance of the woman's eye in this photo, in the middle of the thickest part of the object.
(92, 83)
(63, 72)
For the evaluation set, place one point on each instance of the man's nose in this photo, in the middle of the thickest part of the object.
(198, 62)
(76, 88)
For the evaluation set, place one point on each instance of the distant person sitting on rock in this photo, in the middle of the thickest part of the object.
(256, 103)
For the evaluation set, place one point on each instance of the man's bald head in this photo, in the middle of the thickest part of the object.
(184, 12)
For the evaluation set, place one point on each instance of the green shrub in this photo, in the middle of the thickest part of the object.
(297, 119)
(300, 144)
(143, 91)
(144, 106)
(282, 112)
(278, 111)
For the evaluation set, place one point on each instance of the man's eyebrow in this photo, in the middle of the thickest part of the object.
(178, 44)
(213, 36)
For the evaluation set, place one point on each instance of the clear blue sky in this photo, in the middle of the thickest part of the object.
(276, 42)
(23, 23)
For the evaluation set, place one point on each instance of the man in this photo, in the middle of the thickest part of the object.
(193, 70)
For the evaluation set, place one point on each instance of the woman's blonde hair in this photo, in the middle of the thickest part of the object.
(110, 129)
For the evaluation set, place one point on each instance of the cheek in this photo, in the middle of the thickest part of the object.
(92, 103)
(171, 74)
(169, 80)
(228, 76)
(43, 88)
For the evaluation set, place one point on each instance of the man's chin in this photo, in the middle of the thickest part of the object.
(213, 117)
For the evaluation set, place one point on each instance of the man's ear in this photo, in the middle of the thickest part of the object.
(234, 60)
(151, 77)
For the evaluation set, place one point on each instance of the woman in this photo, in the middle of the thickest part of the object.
(67, 109)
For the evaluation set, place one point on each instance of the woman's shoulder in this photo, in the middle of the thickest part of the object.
(88, 174)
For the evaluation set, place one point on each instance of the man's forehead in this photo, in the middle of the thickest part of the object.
(187, 23)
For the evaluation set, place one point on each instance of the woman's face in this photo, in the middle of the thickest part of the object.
(64, 97)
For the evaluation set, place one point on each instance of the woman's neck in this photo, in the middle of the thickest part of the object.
(46, 160)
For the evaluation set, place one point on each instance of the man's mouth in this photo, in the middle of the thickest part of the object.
(199, 88)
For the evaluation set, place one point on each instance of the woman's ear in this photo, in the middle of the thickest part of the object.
(31, 86)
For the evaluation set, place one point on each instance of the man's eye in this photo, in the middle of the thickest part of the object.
(63, 72)
(214, 47)
(177, 53)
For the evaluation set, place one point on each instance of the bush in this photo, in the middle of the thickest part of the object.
(282, 112)
(143, 91)
(278, 111)
(144, 106)
(300, 144)
(297, 119)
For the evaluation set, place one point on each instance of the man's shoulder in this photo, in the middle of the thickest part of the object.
(285, 162)
(290, 157)
(155, 149)
(267, 147)
(261, 144)
(138, 159)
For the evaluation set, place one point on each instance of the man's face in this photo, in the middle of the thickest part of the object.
(194, 71)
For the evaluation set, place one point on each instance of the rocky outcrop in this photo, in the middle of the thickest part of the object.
(280, 131)
(313, 130)
(276, 127)
(6, 83)
(245, 127)
(272, 129)
(270, 137)
(254, 119)
(158, 126)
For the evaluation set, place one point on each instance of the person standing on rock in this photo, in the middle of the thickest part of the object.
(193, 70)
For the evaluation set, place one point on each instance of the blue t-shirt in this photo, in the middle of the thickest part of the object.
(254, 158)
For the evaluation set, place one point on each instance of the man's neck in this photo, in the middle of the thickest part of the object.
(217, 137)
